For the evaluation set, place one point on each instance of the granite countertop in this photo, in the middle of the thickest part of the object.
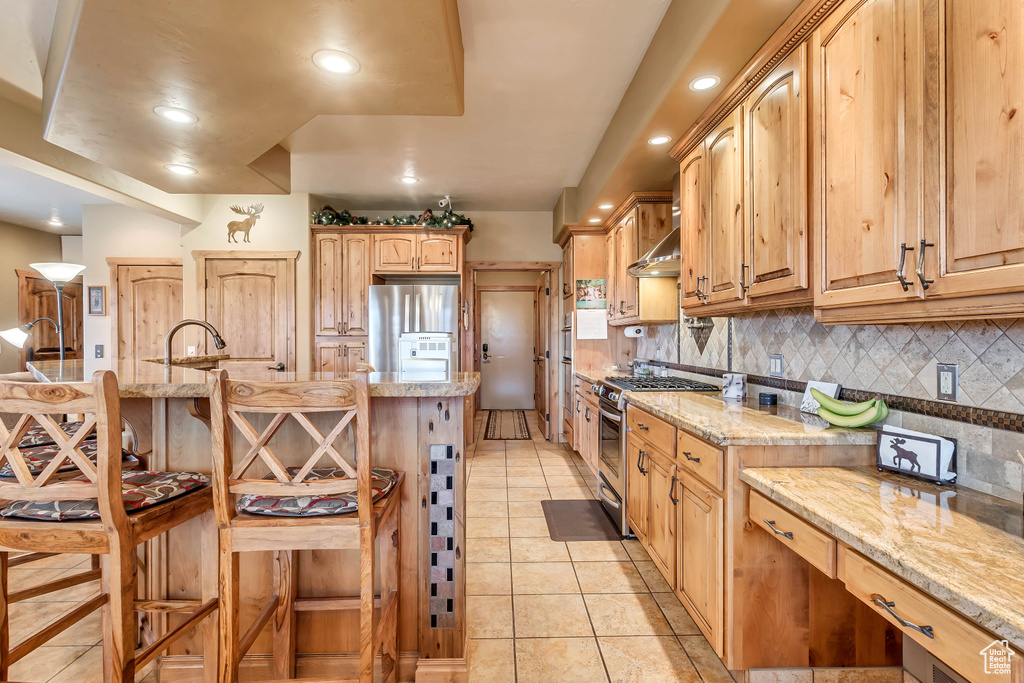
(962, 547)
(595, 375)
(143, 379)
(191, 360)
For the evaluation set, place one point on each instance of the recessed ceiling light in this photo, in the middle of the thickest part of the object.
(336, 62)
(605, 207)
(55, 222)
(595, 220)
(410, 180)
(658, 140)
(704, 82)
(180, 169)
(176, 114)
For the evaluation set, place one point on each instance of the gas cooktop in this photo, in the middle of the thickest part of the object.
(659, 384)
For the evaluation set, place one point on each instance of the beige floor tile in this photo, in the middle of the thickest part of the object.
(609, 577)
(480, 549)
(488, 578)
(485, 469)
(880, 675)
(528, 494)
(486, 527)
(653, 578)
(486, 495)
(566, 660)
(520, 471)
(771, 675)
(489, 616)
(551, 616)
(482, 508)
(623, 614)
(45, 662)
(527, 482)
(536, 527)
(642, 659)
(597, 551)
(563, 481)
(636, 550)
(680, 620)
(540, 578)
(492, 661)
(525, 508)
(571, 493)
(476, 482)
(489, 458)
(488, 446)
(525, 461)
(560, 470)
(538, 550)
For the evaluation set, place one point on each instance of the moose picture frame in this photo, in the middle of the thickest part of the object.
(916, 454)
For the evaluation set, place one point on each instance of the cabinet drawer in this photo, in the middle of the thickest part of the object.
(702, 459)
(810, 543)
(955, 640)
(655, 431)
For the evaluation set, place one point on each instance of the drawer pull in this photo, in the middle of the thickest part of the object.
(640, 462)
(690, 457)
(640, 425)
(787, 534)
(888, 607)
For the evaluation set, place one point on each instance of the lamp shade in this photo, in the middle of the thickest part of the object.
(15, 336)
(59, 272)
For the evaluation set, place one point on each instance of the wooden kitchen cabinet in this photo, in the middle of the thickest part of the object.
(355, 292)
(637, 489)
(692, 228)
(341, 284)
(568, 283)
(724, 155)
(662, 512)
(338, 356)
(637, 225)
(437, 253)
(700, 569)
(394, 253)
(422, 253)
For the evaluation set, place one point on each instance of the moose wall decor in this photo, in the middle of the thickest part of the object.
(916, 454)
(252, 214)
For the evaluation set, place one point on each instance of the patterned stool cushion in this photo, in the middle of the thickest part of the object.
(37, 436)
(139, 490)
(314, 506)
(38, 457)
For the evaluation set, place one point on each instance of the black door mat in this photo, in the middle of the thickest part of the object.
(579, 520)
(507, 425)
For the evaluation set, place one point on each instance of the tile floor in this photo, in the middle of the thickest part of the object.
(545, 611)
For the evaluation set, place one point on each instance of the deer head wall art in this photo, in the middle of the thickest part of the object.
(252, 213)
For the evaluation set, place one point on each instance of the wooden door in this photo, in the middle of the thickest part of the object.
(866, 145)
(437, 253)
(394, 253)
(977, 229)
(662, 514)
(540, 347)
(724, 147)
(636, 489)
(776, 173)
(37, 298)
(627, 254)
(692, 208)
(701, 580)
(327, 357)
(568, 284)
(352, 354)
(611, 278)
(328, 285)
(355, 291)
(251, 302)
(149, 302)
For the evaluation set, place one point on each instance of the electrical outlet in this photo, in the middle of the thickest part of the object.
(99, 351)
(191, 351)
(948, 382)
(775, 365)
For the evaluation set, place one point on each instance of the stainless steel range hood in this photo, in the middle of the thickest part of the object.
(664, 260)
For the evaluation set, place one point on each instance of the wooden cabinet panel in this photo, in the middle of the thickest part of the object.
(651, 430)
(437, 253)
(612, 291)
(693, 228)
(702, 459)
(568, 283)
(636, 489)
(394, 253)
(724, 149)
(328, 265)
(810, 543)
(776, 153)
(338, 356)
(355, 292)
(625, 303)
(701, 556)
(579, 430)
(662, 513)
(591, 435)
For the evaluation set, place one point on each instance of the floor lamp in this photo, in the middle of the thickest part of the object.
(59, 274)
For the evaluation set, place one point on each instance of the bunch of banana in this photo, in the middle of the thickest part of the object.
(842, 414)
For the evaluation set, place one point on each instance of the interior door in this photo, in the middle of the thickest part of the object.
(540, 347)
(149, 301)
(507, 380)
(251, 302)
(38, 299)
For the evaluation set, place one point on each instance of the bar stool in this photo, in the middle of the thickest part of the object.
(76, 498)
(303, 508)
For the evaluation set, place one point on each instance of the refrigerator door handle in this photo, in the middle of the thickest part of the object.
(417, 314)
(407, 307)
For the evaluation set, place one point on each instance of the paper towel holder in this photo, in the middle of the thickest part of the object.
(634, 331)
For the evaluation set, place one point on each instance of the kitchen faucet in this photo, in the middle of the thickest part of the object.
(217, 341)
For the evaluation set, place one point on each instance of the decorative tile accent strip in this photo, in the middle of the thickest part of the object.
(442, 537)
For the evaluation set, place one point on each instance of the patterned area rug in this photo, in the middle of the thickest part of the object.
(507, 425)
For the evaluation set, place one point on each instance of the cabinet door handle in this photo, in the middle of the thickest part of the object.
(901, 270)
(344, 328)
(672, 490)
(787, 534)
(689, 457)
(640, 425)
(339, 329)
(588, 415)
(640, 462)
(890, 608)
(920, 265)
(743, 270)
(622, 305)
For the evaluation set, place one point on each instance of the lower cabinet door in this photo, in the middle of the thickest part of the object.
(593, 455)
(662, 514)
(700, 575)
(327, 357)
(636, 490)
(352, 354)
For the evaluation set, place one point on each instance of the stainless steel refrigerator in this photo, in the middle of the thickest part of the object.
(395, 309)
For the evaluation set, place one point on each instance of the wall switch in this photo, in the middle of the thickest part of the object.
(191, 351)
(948, 382)
(99, 351)
(775, 365)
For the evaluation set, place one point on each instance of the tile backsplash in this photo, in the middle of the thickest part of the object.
(894, 359)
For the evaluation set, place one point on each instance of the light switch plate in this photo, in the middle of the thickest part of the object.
(775, 365)
(947, 382)
(99, 351)
(191, 351)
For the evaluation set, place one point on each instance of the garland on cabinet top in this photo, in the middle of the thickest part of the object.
(446, 220)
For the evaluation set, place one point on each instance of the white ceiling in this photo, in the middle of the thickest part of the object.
(542, 80)
(25, 27)
(31, 200)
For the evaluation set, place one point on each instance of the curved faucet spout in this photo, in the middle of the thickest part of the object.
(217, 340)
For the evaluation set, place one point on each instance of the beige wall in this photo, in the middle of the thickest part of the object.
(20, 247)
(512, 236)
(498, 277)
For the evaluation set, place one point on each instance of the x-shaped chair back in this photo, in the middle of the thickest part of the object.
(37, 403)
(231, 400)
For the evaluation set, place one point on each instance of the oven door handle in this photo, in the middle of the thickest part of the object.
(601, 486)
(617, 419)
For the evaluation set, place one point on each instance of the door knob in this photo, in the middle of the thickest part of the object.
(279, 367)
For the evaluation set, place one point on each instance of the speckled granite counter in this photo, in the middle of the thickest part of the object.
(962, 547)
(143, 379)
(595, 375)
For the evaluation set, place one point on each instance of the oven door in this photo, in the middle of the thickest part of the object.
(610, 464)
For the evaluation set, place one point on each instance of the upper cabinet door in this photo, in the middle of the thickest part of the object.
(394, 253)
(626, 254)
(776, 152)
(611, 278)
(866, 64)
(327, 284)
(568, 286)
(438, 253)
(356, 288)
(724, 150)
(979, 221)
(693, 228)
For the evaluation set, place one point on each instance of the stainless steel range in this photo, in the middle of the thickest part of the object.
(612, 469)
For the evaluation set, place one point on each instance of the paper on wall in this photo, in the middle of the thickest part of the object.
(591, 323)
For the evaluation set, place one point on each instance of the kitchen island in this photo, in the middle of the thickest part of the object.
(167, 410)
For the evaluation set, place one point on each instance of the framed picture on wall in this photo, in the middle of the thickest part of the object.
(97, 300)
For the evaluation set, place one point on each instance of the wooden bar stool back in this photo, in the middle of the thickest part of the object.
(71, 495)
(342, 506)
